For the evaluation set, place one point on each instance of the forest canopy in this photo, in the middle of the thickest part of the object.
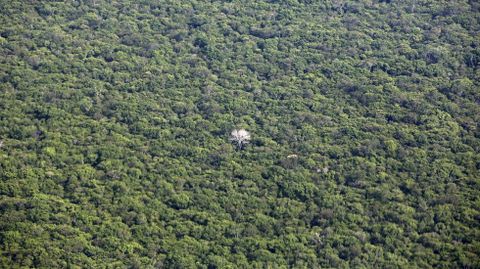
(362, 117)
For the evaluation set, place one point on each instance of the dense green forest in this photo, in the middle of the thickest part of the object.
(116, 116)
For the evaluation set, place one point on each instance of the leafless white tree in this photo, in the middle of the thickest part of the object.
(240, 137)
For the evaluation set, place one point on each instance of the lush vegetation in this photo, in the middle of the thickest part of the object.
(115, 119)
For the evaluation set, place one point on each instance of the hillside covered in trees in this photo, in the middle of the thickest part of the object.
(362, 119)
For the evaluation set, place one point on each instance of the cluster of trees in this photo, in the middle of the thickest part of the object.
(116, 116)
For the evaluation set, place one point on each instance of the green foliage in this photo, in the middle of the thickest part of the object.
(115, 119)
